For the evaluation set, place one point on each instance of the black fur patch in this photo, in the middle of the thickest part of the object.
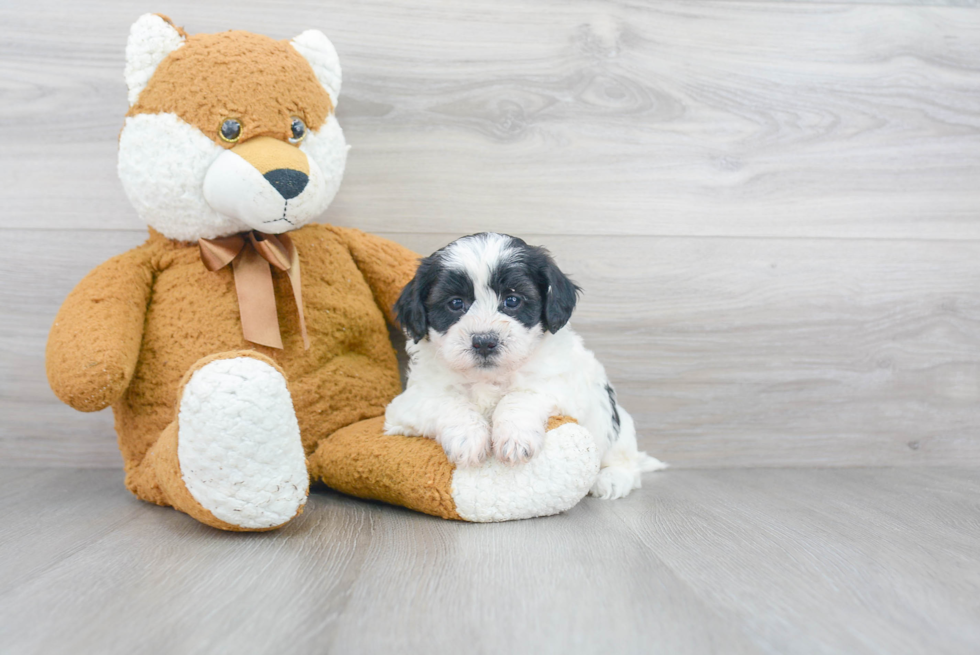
(547, 295)
(449, 284)
(513, 278)
(615, 412)
(410, 306)
(556, 293)
(560, 293)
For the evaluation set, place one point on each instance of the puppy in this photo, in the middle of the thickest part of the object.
(492, 357)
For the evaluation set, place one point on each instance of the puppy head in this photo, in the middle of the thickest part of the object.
(485, 301)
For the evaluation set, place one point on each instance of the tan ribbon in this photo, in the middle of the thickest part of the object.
(250, 254)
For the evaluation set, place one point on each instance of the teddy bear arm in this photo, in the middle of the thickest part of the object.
(386, 266)
(94, 343)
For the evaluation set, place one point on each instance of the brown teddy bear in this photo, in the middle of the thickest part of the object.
(243, 348)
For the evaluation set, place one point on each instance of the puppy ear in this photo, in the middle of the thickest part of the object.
(558, 292)
(410, 306)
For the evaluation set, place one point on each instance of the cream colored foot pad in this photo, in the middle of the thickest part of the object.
(552, 481)
(238, 444)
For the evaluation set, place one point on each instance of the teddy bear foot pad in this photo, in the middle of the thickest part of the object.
(239, 445)
(361, 460)
(552, 481)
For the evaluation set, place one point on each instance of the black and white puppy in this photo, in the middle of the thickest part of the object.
(492, 357)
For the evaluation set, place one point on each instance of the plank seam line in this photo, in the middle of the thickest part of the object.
(565, 235)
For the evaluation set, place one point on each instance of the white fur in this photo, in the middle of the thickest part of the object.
(472, 411)
(554, 481)
(162, 165)
(239, 446)
(151, 39)
(186, 186)
(233, 187)
(476, 256)
(164, 162)
(317, 49)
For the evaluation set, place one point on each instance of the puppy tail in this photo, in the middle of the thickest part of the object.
(645, 463)
(639, 461)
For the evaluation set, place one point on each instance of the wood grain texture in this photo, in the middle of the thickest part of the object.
(38, 273)
(586, 117)
(728, 352)
(696, 562)
(772, 206)
(926, 3)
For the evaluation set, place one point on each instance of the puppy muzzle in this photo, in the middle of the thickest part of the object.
(486, 347)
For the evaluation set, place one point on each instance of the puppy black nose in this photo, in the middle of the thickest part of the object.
(484, 344)
(288, 182)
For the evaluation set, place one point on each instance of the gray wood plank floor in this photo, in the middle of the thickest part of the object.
(709, 561)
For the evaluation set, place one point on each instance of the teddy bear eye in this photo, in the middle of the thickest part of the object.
(298, 128)
(230, 130)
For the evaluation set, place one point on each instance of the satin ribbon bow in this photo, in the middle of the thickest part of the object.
(251, 254)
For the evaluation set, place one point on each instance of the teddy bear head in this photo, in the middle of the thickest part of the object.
(229, 132)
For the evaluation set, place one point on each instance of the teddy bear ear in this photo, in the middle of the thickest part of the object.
(322, 57)
(151, 39)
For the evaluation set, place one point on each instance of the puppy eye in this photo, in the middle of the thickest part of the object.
(510, 302)
(230, 130)
(456, 304)
(298, 128)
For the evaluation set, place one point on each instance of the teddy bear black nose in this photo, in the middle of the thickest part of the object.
(288, 182)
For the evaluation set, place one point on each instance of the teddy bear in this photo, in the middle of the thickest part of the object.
(243, 348)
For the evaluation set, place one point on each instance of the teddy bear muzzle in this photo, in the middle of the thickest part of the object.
(269, 185)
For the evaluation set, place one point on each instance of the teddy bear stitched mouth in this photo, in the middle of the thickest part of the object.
(285, 208)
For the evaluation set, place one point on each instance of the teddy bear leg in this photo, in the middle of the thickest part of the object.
(414, 472)
(233, 457)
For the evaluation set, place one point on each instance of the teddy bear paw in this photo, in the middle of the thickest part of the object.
(239, 446)
(552, 481)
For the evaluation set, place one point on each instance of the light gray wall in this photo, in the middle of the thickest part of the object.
(773, 207)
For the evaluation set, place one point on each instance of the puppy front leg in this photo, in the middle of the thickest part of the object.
(519, 423)
(462, 431)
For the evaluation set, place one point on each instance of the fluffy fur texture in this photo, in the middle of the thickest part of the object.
(187, 182)
(133, 333)
(364, 462)
(149, 315)
(492, 358)
(151, 39)
(208, 423)
(554, 481)
(239, 447)
(322, 56)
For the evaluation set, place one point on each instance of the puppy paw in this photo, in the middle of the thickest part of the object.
(466, 442)
(613, 482)
(514, 441)
(397, 429)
